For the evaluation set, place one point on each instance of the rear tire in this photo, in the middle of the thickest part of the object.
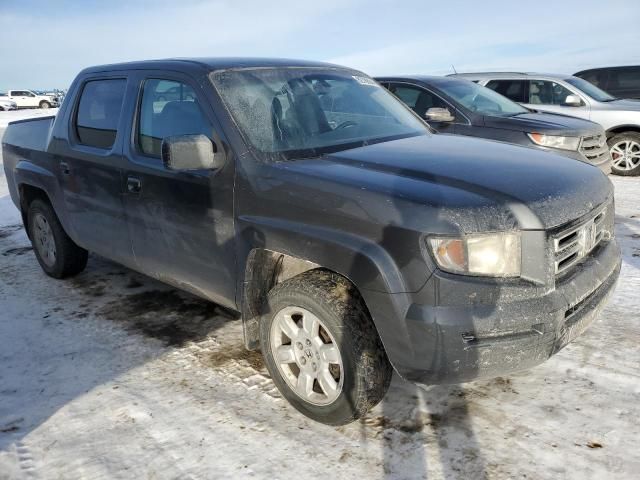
(343, 364)
(625, 153)
(56, 253)
(44, 104)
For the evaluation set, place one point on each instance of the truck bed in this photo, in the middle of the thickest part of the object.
(30, 133)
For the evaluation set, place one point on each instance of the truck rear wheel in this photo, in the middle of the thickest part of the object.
(45, 104)
(322, 349)
(57, 254)
(625, 153)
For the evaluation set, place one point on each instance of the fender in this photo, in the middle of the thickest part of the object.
(363, 262)
(28, 173)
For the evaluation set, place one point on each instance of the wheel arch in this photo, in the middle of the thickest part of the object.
(621, 129)
(276, 255)
(29, 193)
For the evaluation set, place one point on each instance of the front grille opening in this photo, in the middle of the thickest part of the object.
(594, 147)
(574, 244)
(565, 241)
(598, 218)
(567, 261)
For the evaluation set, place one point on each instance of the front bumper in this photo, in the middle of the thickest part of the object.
(461, 329)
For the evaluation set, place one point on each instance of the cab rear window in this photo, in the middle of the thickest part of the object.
(99, 111)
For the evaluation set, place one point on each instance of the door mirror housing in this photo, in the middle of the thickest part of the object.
(435, 114)
(573, 101)
(190, 152)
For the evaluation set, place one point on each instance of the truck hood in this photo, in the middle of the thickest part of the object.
(547, 123)
(466, 183)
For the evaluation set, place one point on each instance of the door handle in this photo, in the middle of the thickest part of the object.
(134, 185)
(64, 166)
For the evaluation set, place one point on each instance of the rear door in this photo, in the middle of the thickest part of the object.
(181, 223)
(90, 161)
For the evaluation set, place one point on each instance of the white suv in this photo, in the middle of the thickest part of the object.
(576, 97)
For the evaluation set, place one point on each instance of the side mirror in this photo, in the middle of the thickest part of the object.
(190, 152)
(572, 101)
(439, 115)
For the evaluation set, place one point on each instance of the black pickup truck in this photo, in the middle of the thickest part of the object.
(310, 199)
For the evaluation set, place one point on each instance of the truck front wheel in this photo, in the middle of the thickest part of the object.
(57, 254)
(45, 104)
(322, 349)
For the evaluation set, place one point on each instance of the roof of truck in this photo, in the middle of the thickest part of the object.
(210, 64)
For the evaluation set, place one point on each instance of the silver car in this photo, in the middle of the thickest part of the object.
(576, 97)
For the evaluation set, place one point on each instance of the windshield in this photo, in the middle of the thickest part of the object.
(307, 112)
(480, 99)
(590, 89)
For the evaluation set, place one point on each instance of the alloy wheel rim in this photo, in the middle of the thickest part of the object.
(306, 355)
(626, 155)
(43, 240)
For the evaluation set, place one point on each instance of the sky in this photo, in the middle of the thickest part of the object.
(45, 43)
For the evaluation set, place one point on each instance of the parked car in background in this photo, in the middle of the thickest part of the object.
(29, 99)
(6, 104)
(461, 107)
(576, 97)
(307, 197)
(620, 82)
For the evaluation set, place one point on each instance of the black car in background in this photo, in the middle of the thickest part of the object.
(461, 107)
(621, 82)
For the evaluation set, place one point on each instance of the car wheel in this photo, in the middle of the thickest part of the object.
(322, 348)
(57, 254)
(625, 153)
(45, 104)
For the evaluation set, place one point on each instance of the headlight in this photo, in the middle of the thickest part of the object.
(554, 141)
(491, 254)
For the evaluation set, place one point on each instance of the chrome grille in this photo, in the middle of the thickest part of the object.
(573, 244)
(594, 148)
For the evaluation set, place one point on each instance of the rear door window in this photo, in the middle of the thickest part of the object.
(168, 108)
(515, 90)
(99, 111)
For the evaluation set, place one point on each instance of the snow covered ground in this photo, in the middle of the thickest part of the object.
(113, 375)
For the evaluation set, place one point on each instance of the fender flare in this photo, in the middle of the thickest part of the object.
(363, 262)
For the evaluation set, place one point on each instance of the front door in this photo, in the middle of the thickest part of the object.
(89, 165)
(180, 222)
(420, 100)
(549, 96)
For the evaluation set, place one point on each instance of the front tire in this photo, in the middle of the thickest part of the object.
(44, 104)
(625, 153)
(322, 349)
(56, 253)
